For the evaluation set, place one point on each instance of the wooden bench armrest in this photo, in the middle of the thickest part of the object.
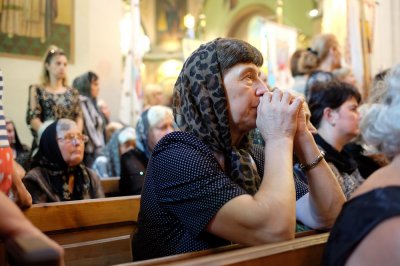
(31, 251)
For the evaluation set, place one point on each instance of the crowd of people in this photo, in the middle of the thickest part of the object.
(231, 161)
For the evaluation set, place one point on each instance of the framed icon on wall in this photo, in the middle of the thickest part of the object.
(27, 28)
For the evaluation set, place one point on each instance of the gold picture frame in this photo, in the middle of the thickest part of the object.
(27, 28)
(170, 29)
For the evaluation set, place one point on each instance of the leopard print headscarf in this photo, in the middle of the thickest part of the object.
(200, 107)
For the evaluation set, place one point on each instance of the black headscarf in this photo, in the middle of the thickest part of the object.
(58, 173)
(49, 149)
(342, 160)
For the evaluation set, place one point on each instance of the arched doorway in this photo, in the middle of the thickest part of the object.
(238, 27)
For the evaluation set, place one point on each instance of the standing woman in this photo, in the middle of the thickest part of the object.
(88, 86)
(320, 59)
(52, 99)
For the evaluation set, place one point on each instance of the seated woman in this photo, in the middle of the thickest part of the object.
(11, 172)
(334, 112)
(368, 160)
(153, 124)
(365, 232)
(206, 186)
(153, 95)
(20, 151)
(58, 173)
(108, 164)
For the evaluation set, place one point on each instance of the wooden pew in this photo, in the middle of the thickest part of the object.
(110, 186)
(310, 241)
(98, 232)
(92, 232)
(304, 251)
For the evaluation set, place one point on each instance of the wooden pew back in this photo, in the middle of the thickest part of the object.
(92, 232)
(304, 251)
(110, 186)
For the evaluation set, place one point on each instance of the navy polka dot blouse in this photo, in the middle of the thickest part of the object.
(183, 190)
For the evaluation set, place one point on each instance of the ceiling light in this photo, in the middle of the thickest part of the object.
(313, 13)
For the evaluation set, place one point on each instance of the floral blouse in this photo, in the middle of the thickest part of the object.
(52, 106)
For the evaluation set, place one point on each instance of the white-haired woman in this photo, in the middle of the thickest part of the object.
(153, 125)
(366, 231)
(58, 172)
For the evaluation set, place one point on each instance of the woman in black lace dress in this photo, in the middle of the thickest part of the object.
(52, 99)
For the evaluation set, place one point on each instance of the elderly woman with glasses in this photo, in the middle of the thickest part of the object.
(58, 173)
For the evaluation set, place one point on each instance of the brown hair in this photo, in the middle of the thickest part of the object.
(234, 51)
(294, 63)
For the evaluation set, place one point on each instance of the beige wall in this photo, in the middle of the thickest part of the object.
(97, 48)
(386, 45)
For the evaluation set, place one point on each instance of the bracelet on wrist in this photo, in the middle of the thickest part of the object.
(314, 163)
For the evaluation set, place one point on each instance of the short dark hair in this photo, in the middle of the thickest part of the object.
(233, 51)
(331, 94)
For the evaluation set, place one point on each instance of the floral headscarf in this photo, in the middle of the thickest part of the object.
(200, 107)
(142, 134)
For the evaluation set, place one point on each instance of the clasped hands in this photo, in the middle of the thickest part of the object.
(281, 115)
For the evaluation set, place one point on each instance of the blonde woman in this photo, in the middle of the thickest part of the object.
(52, 99)
(320, 59)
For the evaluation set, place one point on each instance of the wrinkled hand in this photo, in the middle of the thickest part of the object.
(277, 115)
(302, 124)
(304, 129)
(21, 195)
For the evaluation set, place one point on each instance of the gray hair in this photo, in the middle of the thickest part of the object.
(379, 127)
(158, 113)
(63, 125)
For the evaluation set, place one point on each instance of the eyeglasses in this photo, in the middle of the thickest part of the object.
(69, 138)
